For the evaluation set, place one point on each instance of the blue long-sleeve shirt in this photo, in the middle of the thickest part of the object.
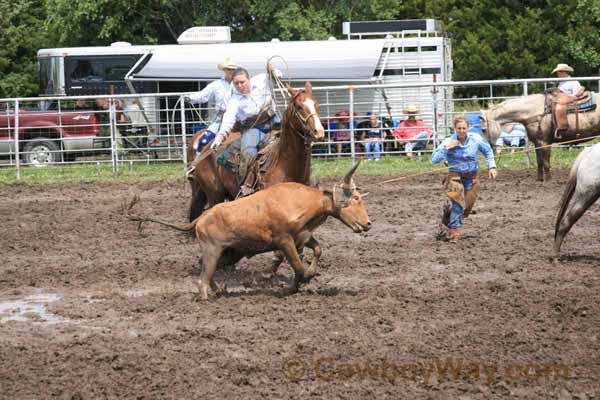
(463, 158)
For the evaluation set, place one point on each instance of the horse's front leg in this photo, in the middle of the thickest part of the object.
(540, 164)
(546, 152)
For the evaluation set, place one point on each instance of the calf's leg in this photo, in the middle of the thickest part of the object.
(210, 259)
(314, 245)
(288, 247)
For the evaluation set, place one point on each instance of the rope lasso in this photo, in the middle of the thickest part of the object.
(525, 151)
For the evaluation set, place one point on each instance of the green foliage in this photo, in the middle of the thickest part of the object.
(20, 38)
(582, 44)
(491, 39)
(388, 165)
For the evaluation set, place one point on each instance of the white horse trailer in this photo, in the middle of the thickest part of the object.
(409, 51)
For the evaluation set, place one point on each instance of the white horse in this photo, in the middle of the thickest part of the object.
(531, 112)
(583, 189)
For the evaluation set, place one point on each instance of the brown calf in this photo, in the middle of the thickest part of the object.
(281, 217)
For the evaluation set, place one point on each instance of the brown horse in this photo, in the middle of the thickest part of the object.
(531, 111)
(213, 183)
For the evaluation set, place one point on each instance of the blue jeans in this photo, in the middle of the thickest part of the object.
(456, 211)
(373, 150)
(251, 137)
(419, 143)
(513, 141)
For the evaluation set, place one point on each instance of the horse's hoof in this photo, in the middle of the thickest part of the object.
(199, 298)
(221, 291)
(310, 273)
(291, 290)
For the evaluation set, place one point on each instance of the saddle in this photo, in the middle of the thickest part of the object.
(229, 158)
(560, 105)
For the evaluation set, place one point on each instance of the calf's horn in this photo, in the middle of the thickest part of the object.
(348, 177)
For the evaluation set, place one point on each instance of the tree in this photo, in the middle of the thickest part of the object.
(21, 36)
(582, 43)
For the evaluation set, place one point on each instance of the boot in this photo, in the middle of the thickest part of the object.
(454, 234)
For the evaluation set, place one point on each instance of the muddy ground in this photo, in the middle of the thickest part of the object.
(92, 309)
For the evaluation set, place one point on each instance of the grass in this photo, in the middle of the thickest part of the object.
(396, 164)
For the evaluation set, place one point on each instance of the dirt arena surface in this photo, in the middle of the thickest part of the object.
(92, 309)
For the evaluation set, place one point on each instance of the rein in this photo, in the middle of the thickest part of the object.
(295, 113)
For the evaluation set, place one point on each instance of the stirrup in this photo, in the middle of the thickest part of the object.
(245, 190)
(557, 134)
(189, 174)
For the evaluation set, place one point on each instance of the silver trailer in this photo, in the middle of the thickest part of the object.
(405, 51)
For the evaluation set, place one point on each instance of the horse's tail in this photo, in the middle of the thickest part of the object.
(566, 198)
(183, 228)
(197, 204)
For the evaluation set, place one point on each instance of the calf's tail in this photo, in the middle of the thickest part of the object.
(183, 228)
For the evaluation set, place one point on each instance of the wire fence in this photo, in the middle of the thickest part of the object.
(125, 130)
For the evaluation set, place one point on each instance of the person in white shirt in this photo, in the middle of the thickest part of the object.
(254, 108)
(572, 88)
(220, 92)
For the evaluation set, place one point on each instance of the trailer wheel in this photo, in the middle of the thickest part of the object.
(41, 152)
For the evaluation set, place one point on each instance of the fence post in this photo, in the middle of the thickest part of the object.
(16, 133)
(525, 89)
(329, 124)
(434, 91)
(183, 136)
(113, 135)
(352, 143)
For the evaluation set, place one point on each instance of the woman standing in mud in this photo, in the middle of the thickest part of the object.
(461, 150)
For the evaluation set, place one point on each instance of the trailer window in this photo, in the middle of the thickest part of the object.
(101, 69)
(46, 83)
(116, 68)
(87, 70)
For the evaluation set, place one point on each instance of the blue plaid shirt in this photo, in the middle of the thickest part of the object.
(463, 158)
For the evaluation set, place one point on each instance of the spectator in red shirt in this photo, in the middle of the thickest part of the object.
(342, 134)
(412, 131)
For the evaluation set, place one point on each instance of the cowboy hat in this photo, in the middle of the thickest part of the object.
(562, 67)
(227, 63)
(411, 109)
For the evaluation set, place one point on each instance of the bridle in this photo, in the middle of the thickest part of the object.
(295, 113)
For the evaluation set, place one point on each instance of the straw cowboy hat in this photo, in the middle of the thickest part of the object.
(562, 67)
(411, 109)
(227, 63)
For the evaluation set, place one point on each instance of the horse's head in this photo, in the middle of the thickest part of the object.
(489, 126)
(303, 112)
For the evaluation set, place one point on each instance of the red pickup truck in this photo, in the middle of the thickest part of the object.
(48, 136)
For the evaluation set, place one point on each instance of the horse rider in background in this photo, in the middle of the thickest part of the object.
(572, 88)
(253, 106)
(220, 92)
(571, 92)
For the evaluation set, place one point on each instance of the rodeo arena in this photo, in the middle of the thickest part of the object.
(250, 276)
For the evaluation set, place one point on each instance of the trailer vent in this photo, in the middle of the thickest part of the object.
(205, 34)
